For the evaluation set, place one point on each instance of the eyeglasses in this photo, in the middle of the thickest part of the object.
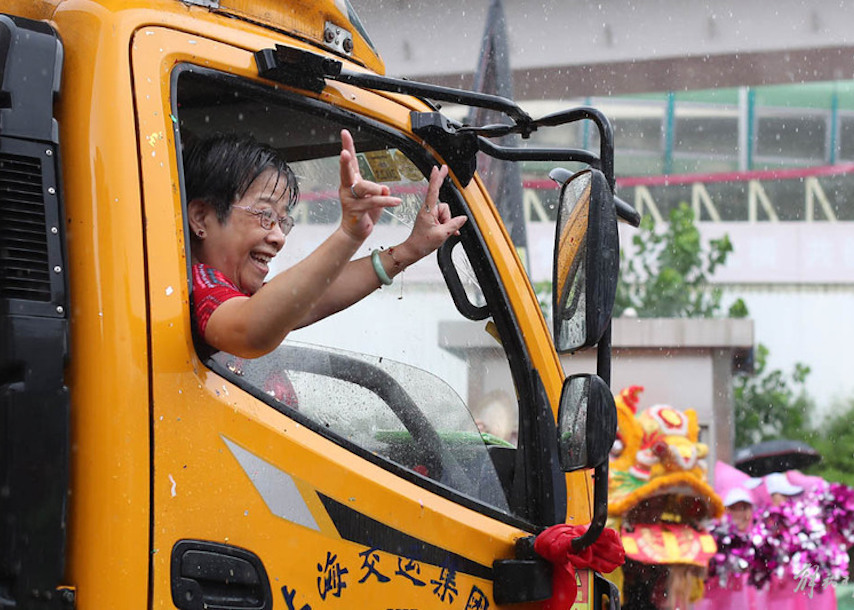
(268, 218)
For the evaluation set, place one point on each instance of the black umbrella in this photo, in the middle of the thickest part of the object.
(775, 456)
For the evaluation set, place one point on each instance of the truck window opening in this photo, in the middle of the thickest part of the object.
(458, 392)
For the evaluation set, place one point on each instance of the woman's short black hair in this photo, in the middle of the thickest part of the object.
(220, 168)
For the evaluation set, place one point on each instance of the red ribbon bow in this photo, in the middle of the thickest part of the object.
(555, 545)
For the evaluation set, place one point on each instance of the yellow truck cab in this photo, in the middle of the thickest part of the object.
(139, 471)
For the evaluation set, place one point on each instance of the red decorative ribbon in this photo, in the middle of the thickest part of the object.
(555, 545)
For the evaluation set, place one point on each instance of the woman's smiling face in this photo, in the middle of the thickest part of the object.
(241, 247)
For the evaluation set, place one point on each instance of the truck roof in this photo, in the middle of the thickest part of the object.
(331, 25)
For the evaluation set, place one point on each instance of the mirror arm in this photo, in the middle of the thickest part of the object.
(606, 134)
(309, 70)
(288, 65)
(600, 474)
(603, 356)
(433, 92)
(627, 212)
(509, 153)
(600, 509)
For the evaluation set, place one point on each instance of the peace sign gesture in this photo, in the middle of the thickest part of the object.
(362, 201)
(434, 223)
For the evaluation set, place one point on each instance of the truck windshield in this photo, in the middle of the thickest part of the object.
(400, 377)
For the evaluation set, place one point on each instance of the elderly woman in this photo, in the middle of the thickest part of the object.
(239, 195)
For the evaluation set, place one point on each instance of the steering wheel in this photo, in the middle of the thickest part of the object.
(364, 374)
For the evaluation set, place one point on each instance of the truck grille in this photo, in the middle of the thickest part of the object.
(24, 265)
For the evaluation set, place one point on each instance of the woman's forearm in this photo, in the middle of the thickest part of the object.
(255, 325)
(357, 280)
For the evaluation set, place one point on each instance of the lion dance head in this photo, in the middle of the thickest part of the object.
(660, 501)
(657, 452)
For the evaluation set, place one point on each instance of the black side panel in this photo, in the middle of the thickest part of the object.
(361, 529)
(31, 54)
(34, 401)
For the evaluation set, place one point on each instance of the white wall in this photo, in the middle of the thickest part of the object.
(811, 325)
(802, 303)
(797, 280)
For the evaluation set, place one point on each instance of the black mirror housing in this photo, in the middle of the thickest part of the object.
(586, 261)
(587, 422)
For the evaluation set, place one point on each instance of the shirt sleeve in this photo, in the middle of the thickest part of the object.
(210, 290)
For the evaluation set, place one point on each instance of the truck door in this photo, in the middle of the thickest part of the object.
(345, 469)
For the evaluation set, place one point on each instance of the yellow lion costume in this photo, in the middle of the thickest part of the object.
(657, 451)
(659, 499)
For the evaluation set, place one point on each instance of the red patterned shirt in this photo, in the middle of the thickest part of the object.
(210, 290)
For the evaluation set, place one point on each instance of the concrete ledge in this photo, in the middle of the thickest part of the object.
(684, 362)
(630, 333)
(683, 333)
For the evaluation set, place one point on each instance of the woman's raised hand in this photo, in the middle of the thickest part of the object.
(362, 201)
(433, 224)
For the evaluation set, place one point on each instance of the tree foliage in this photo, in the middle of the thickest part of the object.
(667, 274)
(772, 404)
(834, 440)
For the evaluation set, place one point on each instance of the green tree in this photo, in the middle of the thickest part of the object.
(834, 440)
(667, 274)
(772, 404)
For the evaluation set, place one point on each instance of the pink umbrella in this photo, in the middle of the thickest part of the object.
(728, 477)
(808, 482)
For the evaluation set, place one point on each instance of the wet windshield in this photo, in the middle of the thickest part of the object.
(390, 409)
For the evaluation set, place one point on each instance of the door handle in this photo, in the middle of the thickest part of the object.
(213, 576)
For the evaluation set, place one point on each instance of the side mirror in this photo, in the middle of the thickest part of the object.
(586, 261)
(587, 422)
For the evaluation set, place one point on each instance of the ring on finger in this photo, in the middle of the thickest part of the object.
(353, 191)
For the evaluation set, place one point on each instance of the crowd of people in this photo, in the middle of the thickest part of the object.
(783, 542)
